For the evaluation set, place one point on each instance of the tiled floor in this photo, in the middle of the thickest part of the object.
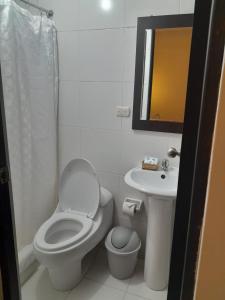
(98, 284)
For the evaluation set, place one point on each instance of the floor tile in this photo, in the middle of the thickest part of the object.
(90, 290)
(97, 285)
(99, 272)
(132, 297)
(39, 287)
(138, 287)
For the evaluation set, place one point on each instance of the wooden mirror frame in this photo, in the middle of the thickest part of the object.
(170, 21)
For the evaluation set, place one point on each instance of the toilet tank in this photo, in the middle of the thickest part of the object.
(105, 197)
(106, 205)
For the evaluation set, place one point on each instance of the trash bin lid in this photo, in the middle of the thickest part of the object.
(122, 237)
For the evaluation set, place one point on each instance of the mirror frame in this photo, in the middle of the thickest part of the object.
(153, 22)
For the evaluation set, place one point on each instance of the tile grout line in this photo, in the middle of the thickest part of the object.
(97, 29)
(107, 285)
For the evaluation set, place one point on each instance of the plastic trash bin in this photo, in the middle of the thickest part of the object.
(123, 245)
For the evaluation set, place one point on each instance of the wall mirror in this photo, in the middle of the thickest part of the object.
(161, 73)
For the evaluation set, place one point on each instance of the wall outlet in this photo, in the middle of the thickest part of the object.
(123, 111)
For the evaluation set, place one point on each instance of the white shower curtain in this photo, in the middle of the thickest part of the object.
(28, 56)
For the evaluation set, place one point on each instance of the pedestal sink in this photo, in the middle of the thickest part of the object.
(161, 189)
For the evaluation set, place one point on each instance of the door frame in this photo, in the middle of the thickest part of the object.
(8, 248)
(201, 105)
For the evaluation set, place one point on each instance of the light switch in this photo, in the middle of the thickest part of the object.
(123, 111)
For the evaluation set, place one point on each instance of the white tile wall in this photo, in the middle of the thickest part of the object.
(96, 14)
(101, 55)
(143, 8)
(69, 144)
(130, 35)
(97, 106)
(68, 55)
(97, 59)
(69, 103)
(66, 13)
(128, 90)
(187, 6)
(103, 149)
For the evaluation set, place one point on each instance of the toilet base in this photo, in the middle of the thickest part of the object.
(67, 268)
(67, 276)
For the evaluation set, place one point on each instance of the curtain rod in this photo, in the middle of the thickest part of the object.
(48, 12)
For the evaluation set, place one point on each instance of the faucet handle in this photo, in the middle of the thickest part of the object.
(165, 164)
(172, 152)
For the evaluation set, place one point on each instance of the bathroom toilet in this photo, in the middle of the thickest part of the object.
(81, 220)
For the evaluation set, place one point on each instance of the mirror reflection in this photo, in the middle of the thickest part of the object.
(166, 62)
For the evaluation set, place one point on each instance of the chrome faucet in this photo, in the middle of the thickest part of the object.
(165, 164)
(172, 152)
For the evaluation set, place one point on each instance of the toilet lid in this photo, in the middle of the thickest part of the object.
(79, 189)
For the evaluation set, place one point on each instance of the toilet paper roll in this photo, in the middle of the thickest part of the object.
(129, 209)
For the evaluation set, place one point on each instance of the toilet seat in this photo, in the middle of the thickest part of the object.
(79, 201)
(62, 231)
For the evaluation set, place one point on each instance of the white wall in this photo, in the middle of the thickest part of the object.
(97, 60)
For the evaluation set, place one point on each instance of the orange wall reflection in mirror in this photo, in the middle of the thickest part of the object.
(170, 73)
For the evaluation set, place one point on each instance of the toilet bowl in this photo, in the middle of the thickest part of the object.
(81, 220)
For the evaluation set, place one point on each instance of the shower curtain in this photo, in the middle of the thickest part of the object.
(28, 56)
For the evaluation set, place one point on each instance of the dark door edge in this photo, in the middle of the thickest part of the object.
(8, 247)
(202, 97)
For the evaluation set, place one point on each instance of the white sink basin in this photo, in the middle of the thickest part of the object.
(154, 183)
(158, 186)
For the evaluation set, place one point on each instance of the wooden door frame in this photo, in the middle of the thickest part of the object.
(202, 97)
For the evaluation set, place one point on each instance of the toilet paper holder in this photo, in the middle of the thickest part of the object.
(136, 203)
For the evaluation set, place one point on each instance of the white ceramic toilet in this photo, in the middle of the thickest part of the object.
(81, 220)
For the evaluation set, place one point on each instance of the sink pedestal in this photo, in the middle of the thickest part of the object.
(158, 243)
(161, 190)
